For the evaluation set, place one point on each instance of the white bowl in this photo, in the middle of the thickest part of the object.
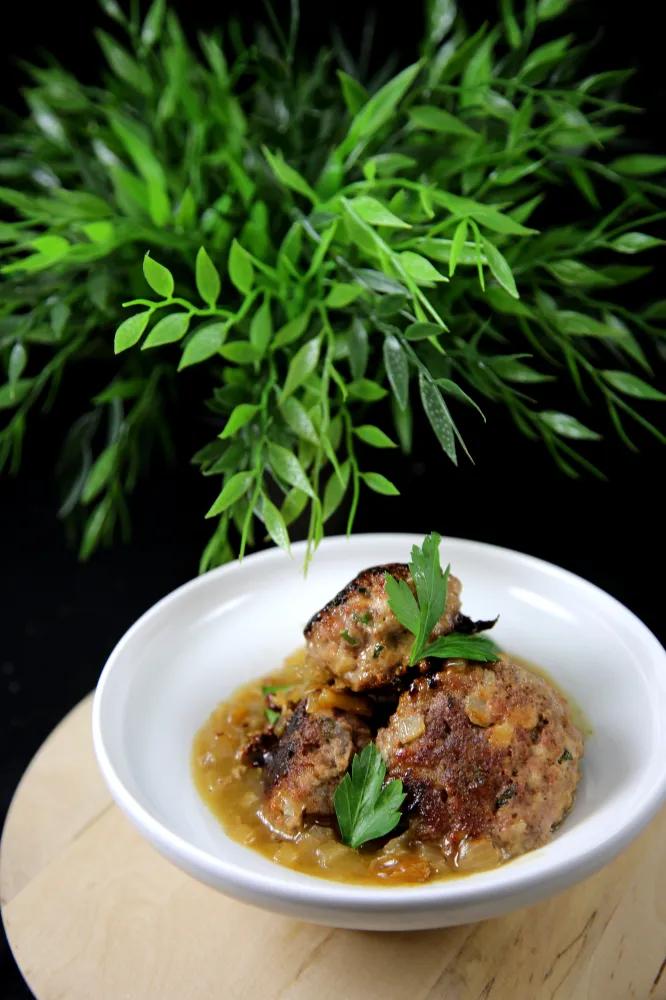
(196, 645)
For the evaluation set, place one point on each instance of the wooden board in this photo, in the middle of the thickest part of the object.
(93, 913)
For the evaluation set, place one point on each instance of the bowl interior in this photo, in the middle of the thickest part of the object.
(198, 644)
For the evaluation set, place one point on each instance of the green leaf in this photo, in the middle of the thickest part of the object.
(573, 272)
(402, 603)
(232, 491)
(373, 436)
(336, 487)
(12, 393)
(391, 305)
(292, 330)
(419, 269)
(168, 330)
(186, 216)
(441, 15)
(239, 352)
(293, 506)
(354, 93)
(438, 120)
(485, 215)
(129, 332)
(437, 413)
(452, 389)
(239, 417)
(285, 465)
(397, 370)
(442, 249)
(301, 366)
(366, 390)
(94, 528)
(123, 389)
(261, 327)
(365, 810)
(359, 349)
(51, 246)
(18, 359)
(635, 243)
(632, 385)
(543, 58)
(208, 280)
(512, 370)
(158, 277)
(205, 343)
(371, 210)
(122, 64)
(457, 245)
(342, 295)
(547, 9)
(431, 591)
(380, 484)
(476, 648)
(511, 175)
(380, 108)
(152, 26)
(576, 324)
(100, 474)
(241, 270)
(288, 176)
(297, 418)
(639, 165)
(275, 525)
(567, 426)
(388, 164)
(511, 26)
(148, 166)
(584, 184)
(500, 269)
(477, 73)
(99, 232)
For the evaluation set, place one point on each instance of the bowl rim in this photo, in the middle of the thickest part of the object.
(507, 881)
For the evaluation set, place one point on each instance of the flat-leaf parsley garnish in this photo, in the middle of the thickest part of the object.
(364, 809)
(420, 614)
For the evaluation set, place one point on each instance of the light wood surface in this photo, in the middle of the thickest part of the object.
(93, 913)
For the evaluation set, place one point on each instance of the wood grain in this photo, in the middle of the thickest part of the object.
(91, 911)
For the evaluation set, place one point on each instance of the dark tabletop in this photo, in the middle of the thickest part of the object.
(59, 620)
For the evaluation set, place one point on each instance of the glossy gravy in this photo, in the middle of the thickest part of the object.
(234, 793)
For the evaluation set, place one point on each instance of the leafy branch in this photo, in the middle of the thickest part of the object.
(316, 246)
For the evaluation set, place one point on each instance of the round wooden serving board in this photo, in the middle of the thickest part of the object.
(93, 913)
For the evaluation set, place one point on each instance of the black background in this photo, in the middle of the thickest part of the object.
(59, 620)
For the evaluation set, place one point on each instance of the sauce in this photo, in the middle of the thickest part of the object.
(233, 792)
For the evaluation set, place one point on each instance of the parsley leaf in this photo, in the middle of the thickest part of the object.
(402, 603)
(364, 809)
(420, 617)
(271, 715)
(431, 585)
(464, 647)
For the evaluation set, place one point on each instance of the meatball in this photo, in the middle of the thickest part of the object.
(358, 638)
(485, 754)
(306, 765)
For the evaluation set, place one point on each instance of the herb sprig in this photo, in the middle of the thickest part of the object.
(420, 614)
(359, 244)
(365, 810)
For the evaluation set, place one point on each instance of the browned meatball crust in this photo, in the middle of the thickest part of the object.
(484, 753)
(358, 638)
(306, 765)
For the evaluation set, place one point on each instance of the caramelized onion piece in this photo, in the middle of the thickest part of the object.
(477, 855)
(328, 698)
(401, 868)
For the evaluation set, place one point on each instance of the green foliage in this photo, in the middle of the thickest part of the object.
(310, 243)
